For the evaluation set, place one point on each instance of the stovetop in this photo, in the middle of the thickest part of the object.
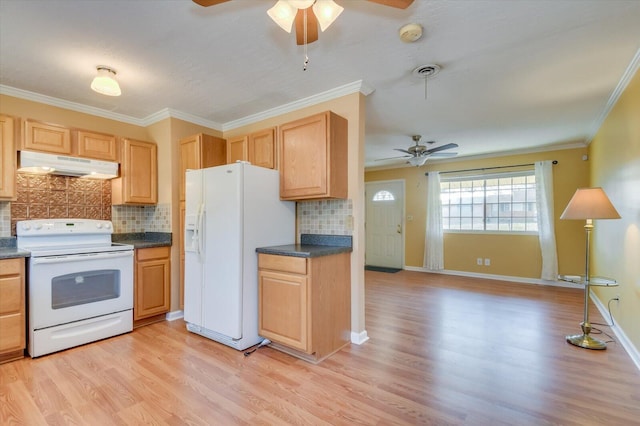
(50, 237)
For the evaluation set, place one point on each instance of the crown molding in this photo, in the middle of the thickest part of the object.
(73, 106)
(615, 96)
(347, 89)
(163, 114)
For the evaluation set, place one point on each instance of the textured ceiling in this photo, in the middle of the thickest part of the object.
(516, 75)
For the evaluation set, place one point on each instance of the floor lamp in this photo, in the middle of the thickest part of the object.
(588, 204)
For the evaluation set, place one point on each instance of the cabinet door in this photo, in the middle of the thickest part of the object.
(237, 149)
(262, 148)
(190, 159)
(7, 158)
(12, 306)
(303, 158)
(284, 309)
(138, 183)
(96, 145)
(46, 137)
(152, 283)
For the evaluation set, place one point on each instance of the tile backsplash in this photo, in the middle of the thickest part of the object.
(128, 219)
(332, 217)
(46, 196)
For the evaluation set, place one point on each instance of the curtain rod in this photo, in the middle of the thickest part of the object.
(490, 168)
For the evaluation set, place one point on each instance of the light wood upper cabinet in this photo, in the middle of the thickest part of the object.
(262, 148)
(7, 158)
(258, 148)
(313, 157)
(12, 309)
(152, 282)
(46, 137)
(237, 149)
(96, 145)
(138, 181)
(200, 151)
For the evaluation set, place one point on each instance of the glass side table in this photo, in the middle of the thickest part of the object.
(584, 340)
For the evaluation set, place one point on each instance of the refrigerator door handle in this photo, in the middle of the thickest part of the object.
(200, 232)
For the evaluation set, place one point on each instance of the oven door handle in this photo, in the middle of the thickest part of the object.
(81, 257)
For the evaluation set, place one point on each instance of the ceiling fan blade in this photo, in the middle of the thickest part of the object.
(393, 158)
(312, 27)
(398, 4)
(444, 154)
(442, 148)
(403, 150)
(207, 3)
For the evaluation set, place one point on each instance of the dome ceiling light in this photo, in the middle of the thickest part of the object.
(105, 82)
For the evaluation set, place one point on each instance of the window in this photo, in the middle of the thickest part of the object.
(383, 196)
(503, 202)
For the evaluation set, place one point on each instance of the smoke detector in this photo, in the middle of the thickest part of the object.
(410, 32)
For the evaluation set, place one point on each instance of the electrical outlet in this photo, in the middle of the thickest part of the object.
(487, 262)
(479, 261)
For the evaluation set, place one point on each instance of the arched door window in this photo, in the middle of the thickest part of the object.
(383, 195)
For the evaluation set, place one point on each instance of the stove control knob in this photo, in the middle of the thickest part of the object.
(26, 226)
(107, 225)
(38, 226)
(98, 225)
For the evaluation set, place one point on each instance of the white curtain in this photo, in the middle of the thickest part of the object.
(546, 229)
(434, 238)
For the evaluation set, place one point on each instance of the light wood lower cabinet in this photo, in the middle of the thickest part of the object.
(305, 303)
(12, 309)
(152, 285)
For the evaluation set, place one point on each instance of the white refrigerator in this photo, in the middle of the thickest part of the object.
(230, 211)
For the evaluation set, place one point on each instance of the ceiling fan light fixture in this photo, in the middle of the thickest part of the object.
(283, 14)
(326, 12)
(301, 4)
(417, 161)
(105, 82)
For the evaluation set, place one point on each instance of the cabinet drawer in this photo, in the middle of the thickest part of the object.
(294, 265)
(11, 294)
(12, 332)
(11, 266)
(152, 253)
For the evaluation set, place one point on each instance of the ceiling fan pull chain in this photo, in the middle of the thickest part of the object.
(306, 57)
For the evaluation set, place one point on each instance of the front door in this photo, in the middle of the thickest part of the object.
(384, 224)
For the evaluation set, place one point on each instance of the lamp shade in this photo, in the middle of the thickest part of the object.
(590, 203)
(417, 161)
(283, 14)
(105, 82)
(326, 12)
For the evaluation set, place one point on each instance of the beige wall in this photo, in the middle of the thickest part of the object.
(511, 255)
(615, 166)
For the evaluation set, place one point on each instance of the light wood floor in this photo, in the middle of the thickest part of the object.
(443, 350)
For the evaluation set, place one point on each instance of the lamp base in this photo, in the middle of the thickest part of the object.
(586, 341)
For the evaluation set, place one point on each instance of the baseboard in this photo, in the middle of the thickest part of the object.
(359, 338)
(174, 315)
(626, 343)
(524, 280)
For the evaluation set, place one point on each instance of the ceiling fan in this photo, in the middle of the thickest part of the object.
(322, 12)
(417, 154)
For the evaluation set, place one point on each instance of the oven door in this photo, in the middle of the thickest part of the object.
(68, 288)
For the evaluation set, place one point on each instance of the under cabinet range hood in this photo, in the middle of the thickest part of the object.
(41, 163)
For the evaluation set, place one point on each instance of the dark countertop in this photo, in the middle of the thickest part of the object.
(312, 245)
(144, 239)
(8, 249)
